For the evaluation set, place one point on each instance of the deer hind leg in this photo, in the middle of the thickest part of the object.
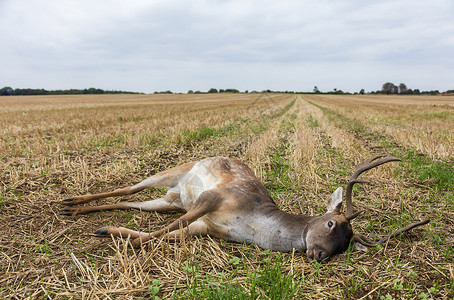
(167, 178)
(206, 203)
(171, 202)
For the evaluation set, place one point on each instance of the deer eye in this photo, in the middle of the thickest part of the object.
(330, 224)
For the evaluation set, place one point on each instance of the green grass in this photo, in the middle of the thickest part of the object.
(269, 280)
(3, 199)
(441, 174)
(311, 121)
(278, 179)
(187, 136)
(43, 247)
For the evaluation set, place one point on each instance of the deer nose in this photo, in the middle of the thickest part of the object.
(316, 254)
(320, 255)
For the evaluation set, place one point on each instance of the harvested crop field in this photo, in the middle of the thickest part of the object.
(301, 146)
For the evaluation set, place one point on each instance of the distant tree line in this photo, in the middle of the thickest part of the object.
(391, 89)
(213, 90)
(210, 91)
(388, 89)
(8, 91)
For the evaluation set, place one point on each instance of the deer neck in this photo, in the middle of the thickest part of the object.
(282, 231)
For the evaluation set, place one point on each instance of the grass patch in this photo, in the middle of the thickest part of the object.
(198, 135)
(311, 121)
(3, 200)
(278, 178)
(268, 280)
(436, 173)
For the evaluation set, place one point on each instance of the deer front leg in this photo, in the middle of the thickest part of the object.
(206, 203)
(196, 228)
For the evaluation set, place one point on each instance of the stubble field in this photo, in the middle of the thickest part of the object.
(301, 146)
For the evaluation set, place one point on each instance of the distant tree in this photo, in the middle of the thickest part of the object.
(316, 90)
(395, 90)
(190, 92)
(403, 89)
(361, 92)
(389, 88)
(337, 92)
(6, 91)
(212, 90)
(163, 92)
(432, 93)
(231, 91)
(93, 91)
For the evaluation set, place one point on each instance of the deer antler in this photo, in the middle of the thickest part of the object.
(368, 164)
(365, 165)
(365, 242)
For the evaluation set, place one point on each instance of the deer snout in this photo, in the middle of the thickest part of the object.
(318, 254)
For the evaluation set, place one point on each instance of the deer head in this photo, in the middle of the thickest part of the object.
(332, 233)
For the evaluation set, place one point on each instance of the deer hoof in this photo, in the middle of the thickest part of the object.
(102, 231)
(69, 211)
(69, 201)
(65, 211)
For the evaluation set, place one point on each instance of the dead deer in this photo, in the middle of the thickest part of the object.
(223, 198)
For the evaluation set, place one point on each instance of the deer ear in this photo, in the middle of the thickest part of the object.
(335, 201)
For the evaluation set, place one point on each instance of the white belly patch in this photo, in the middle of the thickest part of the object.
(195, 182)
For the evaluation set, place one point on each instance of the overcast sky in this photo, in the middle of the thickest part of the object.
(178, 45)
